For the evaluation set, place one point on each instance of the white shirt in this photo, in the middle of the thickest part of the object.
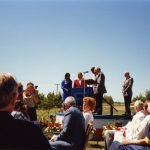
(88, 116)
(143, 128)
(134, 124)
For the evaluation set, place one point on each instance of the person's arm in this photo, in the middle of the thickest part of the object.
(75, 85)
(102, 79)
(63, 86)
(129, 85)
(70, 84)
(137, 142)
(67, 126)
(35, 98)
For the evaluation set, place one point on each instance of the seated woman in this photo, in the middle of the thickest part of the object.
(18, 112)
(142, 144)
(89, 104)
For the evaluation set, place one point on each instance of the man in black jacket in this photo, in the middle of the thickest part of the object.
(15, 133)
(100, 90)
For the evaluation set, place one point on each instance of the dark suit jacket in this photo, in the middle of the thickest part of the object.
(100, 80)
(73, 128)
(20, 134)
(127, 87)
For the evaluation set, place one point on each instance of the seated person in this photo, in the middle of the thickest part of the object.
(137, 118)
(140, 132)
(142, 144)
(15, 133)
(89, 104)
(80, 82)
(18, 112)
(72, 135)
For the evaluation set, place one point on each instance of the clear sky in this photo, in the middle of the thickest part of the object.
(41, 40)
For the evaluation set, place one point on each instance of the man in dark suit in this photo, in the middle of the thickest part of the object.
(100, 90)
(127, 92)
(15, 133)
(73, 134)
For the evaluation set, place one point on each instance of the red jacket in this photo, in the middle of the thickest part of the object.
(79, 83)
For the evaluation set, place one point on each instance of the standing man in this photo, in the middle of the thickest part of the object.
(99, 81)
(127, 92)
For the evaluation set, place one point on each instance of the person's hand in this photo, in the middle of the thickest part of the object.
(125, 142)
(129, 142)
(66, 89)
(54, 137)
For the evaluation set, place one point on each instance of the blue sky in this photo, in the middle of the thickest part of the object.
(41, 40)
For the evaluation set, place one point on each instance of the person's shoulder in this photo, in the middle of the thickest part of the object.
(131, 79)
(85, 114)
(102, 74)
(72, 110)
(76, 80)
(25, 125)
(62, 81)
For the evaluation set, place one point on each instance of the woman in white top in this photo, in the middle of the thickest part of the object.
(89, 104)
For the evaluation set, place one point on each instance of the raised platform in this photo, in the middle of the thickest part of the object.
(101, 120)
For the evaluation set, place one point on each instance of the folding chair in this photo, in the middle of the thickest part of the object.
(88, 130)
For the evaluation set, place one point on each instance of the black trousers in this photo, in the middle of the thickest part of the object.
(99, 103)
(127, 101)
(32, 113)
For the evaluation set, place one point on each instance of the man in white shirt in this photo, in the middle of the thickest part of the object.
(140, 131)
(130, 127)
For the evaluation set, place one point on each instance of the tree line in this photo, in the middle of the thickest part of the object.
(52, 100)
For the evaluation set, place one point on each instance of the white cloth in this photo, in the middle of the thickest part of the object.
(88, 116)
(94, 85)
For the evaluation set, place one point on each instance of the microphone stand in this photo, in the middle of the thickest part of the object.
(84, 83)
(84, 86)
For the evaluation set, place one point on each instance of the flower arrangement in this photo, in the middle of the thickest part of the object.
(51, 127)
